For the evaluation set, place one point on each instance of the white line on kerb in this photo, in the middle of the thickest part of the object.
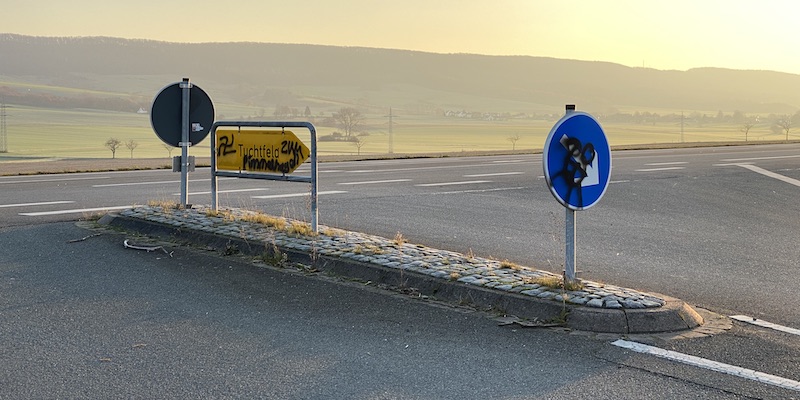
(280, 196)
(494, 174)
(81, 210)
(659, 169)
(371, 182)
(45, 203)
(710, 365)
(765, 324)
(770, 174)
(451, 183)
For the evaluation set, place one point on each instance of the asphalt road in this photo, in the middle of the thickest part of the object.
(713, 226)
(91, 319)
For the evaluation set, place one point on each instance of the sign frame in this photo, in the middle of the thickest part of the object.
(259, 151)
(312, 179)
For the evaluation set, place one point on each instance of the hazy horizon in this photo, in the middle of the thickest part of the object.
(678, 35)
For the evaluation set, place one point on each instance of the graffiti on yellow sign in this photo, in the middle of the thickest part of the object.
(259, 150)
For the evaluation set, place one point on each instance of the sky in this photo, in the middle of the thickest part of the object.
(660, 34)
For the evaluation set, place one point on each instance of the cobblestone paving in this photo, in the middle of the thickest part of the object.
(394, 253)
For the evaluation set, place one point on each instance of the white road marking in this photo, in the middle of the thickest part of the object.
(135, 184)
(659, 169)
(45, 203)
(494, 174)
(507, 161)
(710, 365)
(480, 190)
(55, 180)
(225, 191)
(622, 181)
(451, 183)
(158, 182)
(280, 196)
(371, 182)
(667, 163)
(770, 174)
(765, 324)
(758, 158)
(81, 210)
(362, 171)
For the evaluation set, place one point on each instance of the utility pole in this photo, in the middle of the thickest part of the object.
(3, 132)
(391, 132)
(681, 126)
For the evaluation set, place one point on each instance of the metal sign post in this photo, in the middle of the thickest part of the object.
(571, 229)
(186, 87)
(577, 167)
(181, 116)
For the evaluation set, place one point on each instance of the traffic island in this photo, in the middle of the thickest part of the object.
(444, 275)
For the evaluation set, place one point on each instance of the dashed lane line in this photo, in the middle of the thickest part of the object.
(659, 169)
(75, 211)
(155, 182)
(44, 203)
(451, 183)
(281, 196)
(667, 163)
(699, 362)
(493, 174)
(730, 160)
(225, 191)
(479, 190)
(765, 324)
(87, 178)
(374, 182)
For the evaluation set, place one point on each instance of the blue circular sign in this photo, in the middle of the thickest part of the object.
(577, 161)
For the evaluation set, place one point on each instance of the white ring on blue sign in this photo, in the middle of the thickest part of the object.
(577, 161)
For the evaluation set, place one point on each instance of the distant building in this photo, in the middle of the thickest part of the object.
(142, 111)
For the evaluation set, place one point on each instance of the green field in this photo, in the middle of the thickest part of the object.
(82, 133)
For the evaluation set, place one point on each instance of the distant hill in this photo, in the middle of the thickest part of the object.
(265, 75)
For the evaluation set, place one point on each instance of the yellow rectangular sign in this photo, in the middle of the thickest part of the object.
(259, 150)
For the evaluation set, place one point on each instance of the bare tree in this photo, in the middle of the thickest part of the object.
(131, 144)
(113, 144)
(169, 149)
(746, 129)
(785, 123)
(348, 119)
(359, 142)
(513, 140)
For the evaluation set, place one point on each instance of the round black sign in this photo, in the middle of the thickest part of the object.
(166, 114)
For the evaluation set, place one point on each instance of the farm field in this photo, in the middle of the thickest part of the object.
(38, 132)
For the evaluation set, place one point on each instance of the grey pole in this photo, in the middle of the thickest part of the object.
(314, 176)
(214, 181)
(185, 92)
(570, 234)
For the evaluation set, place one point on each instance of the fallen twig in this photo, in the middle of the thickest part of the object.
(145, 248)
(84, 238)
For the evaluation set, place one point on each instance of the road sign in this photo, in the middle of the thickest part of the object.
(259, 150)
(577, 161)
(166, 117)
